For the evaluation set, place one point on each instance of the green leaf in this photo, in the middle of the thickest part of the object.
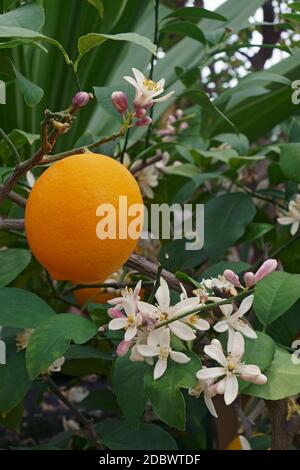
(19, 138)
(194, 12)
(27, 16)
(295, 6)
(274, 295)
(14, 378)
(230, 214)
(186, 169)
(283, 378)
(12, 262)
(258, 351)
(245, 94)
(31, 92)
(165, 395)
(290, 161)
(186, 29)
(98, 4)
(12, 420)
(117, 435)
(287, 327)
(256, 230)
(128, 384)
(52, 339)
(294, 17)
(240, 142)
(22, 309)
(87, 352)
(219, 268)
(201, 98)
(91, 40)
(101, 399)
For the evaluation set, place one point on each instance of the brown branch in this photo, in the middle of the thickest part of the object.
(11, 224)
(144, 164)
(282, 434)
(294, 424)
(17, 199)
(143, 266)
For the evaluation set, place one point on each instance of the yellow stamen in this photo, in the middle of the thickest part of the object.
(151, 85)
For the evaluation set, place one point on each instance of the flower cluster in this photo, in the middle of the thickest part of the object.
(146, 96)
(175, 124)
(149, 329)
(293, 216)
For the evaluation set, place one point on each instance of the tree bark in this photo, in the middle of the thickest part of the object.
(282, 436)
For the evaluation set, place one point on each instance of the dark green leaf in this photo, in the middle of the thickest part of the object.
(290, 161)
(19, 138)
(12, 262)
(194, 12)
(184, 28)
(27, 16)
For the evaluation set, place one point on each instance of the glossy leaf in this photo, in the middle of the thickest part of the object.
(12, 262)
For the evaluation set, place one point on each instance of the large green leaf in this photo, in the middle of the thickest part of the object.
(12, 262)
(128, 381)
(225, 221)
(117, 435)
(283, 378)
(274, 295)
(22, 309)
(165, 395)
(14, 378)
(195, 12)
(19, 139)
(186, 29)
(51, 340)
(27, 16)
(290, 161)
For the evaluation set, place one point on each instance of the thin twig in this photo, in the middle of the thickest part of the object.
(11, 146)
(17, 199)
(144, 164)
(112, 285)
(87, 424)
(125, 146)
(11, 224)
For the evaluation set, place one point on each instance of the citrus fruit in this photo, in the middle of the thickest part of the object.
(62, 217)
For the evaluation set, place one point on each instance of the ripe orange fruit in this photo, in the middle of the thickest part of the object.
(61, 220)
(95, 295)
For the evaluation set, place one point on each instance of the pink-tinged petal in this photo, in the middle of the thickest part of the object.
(215, 353)
(231, 389)
(226, 310)
(116, 301)
(210, 373)
(163, 295)
(165, 338)
(221, 326)
(232, 277)
(245, 306)
(182, 331)
(146, 350)
(164, 98)
(202, 325)
(249, 279)
(139, 76)
(115, 313)
(186, 304)
(238, 345)
(246, 330)
(160, 368)
(123, 348)
(132, 82)
(221, 386)
(249, 369)
(137, 290)
(117, 324)
(266, 268)
(179, 357)
(209, 403)
(130, 333)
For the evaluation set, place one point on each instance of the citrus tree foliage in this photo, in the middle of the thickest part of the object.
(235, 151)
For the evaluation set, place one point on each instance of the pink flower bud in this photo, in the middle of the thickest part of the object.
(145, 121)
(266, 268)
(123, 347)
(120, 101)
(260, 379)
(114, 313)
(140, 112)
(249, 279)
(232, 277)
(81, 99)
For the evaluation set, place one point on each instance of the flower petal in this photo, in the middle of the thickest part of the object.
(210, 373)
(146, 350)
(139, 76)
(163, 295)
(215, 353)
(164, 98)
(164, 339)
(231, 389)
(246, 330)
(221, 326)
(238, 345)
(117, 324)
(221, 387)
(130, 333)
(226, 309)
(209, 403)
(249, 369)
(202, 325)
(186, 305)
(245, 306)
(182, 331)
(132, 82)
(160, 368)
(179, 357)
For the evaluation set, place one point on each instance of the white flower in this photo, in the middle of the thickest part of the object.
(135, 356)
(209, 389)
(132, 319)
(158, 345)
(293, 216)
(235, 322)
(146, 89)
(127, 294)
(231, 367)
(147, 179)
(56, 366)
(220, 283)
(163, 311)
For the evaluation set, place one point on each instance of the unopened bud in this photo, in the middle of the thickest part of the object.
(266, 268)
(138, 105)
(120, 101)
(145, 121)
(81, 99)
(123, 347)
(232, 277)
(249, 279)
(140, 112)
(114, 313)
